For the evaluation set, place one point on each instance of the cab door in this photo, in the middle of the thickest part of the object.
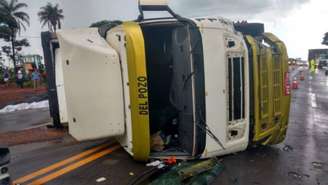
(93, 85)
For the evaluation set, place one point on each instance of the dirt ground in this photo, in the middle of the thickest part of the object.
(14, 95)
(18, 127)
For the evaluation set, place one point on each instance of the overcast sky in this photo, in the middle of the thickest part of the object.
(299, 23)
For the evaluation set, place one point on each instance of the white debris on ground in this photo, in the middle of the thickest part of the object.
(158, 164)
(101, 179)
(25, 106)
(154, 163)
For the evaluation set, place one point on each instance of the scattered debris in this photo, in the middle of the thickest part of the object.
(161, 166)
(197, 172)
(297, 176)
(318, 165)
(234, 180)
(25, 106)
(171, 161)
(146, 176)
(101, 179)
(306, 175)
(288, 148)
(158, 164)
(157, 142)
(195, 169)
(154, 163)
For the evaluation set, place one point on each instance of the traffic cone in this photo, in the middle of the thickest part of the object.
(295, 83)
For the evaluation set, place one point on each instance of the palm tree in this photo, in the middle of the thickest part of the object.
(51, 15)
(13, 20)
(105, 23)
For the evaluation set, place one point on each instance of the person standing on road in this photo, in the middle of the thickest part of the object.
(35, 78)
(20, 79)
(6, 78)
(312, 66)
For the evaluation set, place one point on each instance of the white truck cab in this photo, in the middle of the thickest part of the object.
(162, 87)
(227, 91)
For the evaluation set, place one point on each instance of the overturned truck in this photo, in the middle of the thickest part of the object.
(189, 88)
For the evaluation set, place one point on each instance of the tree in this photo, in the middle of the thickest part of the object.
(22, 43)
(5, 32)
(325, 39)
(7, 50)
(100, 23)
(19, 44)
(105, 23)
(51, 15)
(13, 20)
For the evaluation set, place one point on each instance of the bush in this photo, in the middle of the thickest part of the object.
(28, 84)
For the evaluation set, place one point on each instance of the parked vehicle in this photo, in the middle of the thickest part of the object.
(4, 161)
(190, 88)
(322, 63)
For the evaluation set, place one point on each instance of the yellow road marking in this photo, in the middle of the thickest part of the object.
(74, 166)
(59, 164)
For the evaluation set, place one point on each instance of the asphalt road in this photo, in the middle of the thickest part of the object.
(301, 159)
(115, 167)
(21, 120)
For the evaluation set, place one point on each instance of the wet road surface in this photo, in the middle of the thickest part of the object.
(21, 120)
(116, 167)
(301, 159)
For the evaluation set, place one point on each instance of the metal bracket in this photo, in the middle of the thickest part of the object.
(154, 7)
